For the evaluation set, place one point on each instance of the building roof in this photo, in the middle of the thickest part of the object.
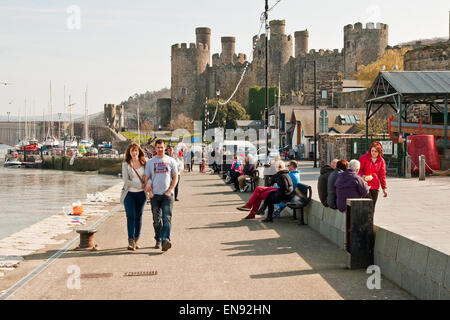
(305, 115)
(411, 85)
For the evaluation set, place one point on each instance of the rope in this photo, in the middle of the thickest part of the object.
(262, 23)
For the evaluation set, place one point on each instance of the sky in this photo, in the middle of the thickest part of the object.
(118, 48)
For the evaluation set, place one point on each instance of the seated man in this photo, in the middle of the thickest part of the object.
(284, 192)
(341, 166)
(350, 185)
(322, 183)
(295, 177)
(247, 172)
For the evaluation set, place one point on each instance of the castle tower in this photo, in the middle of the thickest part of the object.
(203, 36)
(280, 52)
(363, 46)
(301, 43)
(188, 64)
(228, 49)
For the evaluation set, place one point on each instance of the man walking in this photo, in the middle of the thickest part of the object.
(162, 171)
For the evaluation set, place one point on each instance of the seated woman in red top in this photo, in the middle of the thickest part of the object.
(373, 170)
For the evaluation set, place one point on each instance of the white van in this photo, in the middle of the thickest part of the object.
(239, 147)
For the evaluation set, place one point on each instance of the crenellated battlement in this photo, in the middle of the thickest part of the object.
(370, 27)
(323, 53)
(178, 47)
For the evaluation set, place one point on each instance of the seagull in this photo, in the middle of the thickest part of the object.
(5, 83)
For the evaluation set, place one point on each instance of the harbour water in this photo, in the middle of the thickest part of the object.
(31, 195)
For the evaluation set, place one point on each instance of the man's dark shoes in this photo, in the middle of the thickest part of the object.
(260, 211)
(267, 220)
(167, 245)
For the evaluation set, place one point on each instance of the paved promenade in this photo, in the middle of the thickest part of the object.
(215, 255)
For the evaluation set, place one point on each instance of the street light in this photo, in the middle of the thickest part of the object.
(315, 108)
(8, 113)
(266, 109)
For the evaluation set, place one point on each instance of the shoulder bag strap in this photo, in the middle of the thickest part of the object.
(142, 181)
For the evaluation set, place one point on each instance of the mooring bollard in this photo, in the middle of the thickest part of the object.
(359, 233)
(87, 240)
(408, 167)
(421, 167)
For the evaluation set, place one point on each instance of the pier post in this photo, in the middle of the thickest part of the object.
(359, 233)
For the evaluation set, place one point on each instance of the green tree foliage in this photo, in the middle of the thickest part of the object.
(226, 114)
(257, 101)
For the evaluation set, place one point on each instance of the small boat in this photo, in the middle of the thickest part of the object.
(86, 143)
(12, 163)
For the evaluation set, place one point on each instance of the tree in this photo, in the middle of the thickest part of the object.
(391, 60)
(226, 114)
(257, 101)
(376, 126)
(182, 122)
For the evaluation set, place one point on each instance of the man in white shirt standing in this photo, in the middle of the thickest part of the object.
(161, 177)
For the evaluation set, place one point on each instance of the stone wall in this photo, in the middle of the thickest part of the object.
(352, 99)
(430, 57)
(420, 270)
(103, 166)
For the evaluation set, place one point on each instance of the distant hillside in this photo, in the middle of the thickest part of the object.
(423, 41)
(147, 101)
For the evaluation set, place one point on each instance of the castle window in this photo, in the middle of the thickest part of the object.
(348, 44)
(183, 91)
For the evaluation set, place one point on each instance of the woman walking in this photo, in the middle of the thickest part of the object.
(180, 170)
(373, 170)
(133, 194)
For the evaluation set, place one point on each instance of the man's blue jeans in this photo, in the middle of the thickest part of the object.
(162, 216)
(134, 206)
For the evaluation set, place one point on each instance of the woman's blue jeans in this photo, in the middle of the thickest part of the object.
(134, 207)
(162, 206)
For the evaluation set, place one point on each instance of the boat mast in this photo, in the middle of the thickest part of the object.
(86, 118)
(70, 117)
(51, 112)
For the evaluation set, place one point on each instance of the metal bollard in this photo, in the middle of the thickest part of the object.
(422, 168)
(360, 239)
(87, 240)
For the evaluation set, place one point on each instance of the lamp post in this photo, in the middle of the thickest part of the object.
(266, 109)
(315, 108)
(8, 113)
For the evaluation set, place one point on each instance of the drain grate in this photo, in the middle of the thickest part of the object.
(141, 273)
(96, 275)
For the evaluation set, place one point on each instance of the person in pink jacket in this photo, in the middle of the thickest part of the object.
(373, 170)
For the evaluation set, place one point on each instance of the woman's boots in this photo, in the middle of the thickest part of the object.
(131, 245)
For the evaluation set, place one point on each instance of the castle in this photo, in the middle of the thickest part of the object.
(195, 75)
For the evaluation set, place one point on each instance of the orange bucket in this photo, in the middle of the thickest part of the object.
(77, 210)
